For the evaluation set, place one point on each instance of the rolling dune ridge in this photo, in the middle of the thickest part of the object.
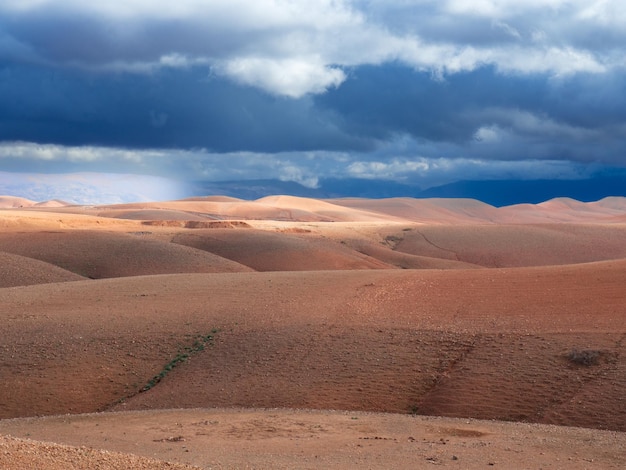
(204, 328)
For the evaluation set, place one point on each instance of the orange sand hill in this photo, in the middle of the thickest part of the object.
(12, 202)
(514, 314)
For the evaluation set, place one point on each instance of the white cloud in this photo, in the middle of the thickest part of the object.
(487, 134)
(298, 174)
(394, 169)
(189, 165)
(556, 60)
(508, 29)
(428, 172)
(60, 153)
(290, 77)
(293, 48)
(504, 8)
(515, 122)
(403, 160)
(605, 12)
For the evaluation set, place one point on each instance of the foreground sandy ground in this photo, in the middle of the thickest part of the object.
(296, 439)
(200, 329)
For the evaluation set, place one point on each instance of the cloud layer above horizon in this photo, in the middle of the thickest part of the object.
(424, 92)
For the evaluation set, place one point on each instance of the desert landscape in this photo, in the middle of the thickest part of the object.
(288, 332)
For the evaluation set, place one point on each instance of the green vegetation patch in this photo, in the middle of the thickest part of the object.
(199, 344)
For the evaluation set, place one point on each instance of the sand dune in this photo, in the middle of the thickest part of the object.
(297, 209)
(11, 202)
(358, 340)
(96, 254)
(97, 247)
(214, 199)
(616, 203)
(53, 203)
(440, 362)
(516, 245)
(294, 207)
(150, 214)
(469, 211)
(18, 270)
(403, 260)
(427, 210)
(274, 251)
(37, 219)
(446, 308)
(559, 210)
(288, 209)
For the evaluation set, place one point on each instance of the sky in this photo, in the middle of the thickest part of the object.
(419, 92)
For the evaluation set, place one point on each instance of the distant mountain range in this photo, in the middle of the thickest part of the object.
(114, 189)
(495, 192)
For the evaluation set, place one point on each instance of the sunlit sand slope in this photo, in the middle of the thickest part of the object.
(10, 202)
(298, 209)
(284, 208)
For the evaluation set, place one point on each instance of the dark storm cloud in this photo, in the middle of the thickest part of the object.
(422, 91)
(484, 114)
(90, 41)
(171, 108)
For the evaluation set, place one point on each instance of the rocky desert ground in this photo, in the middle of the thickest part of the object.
(296, 333)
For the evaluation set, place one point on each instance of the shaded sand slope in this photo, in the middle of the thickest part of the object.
(457, 342)
(100, 254)
(384, 253)
(409, 246)
(18, 270)
(276, 251)
(297, 439)
(516, 245)
(96, 247)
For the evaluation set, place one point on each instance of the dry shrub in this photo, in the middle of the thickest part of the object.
(584, 357)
